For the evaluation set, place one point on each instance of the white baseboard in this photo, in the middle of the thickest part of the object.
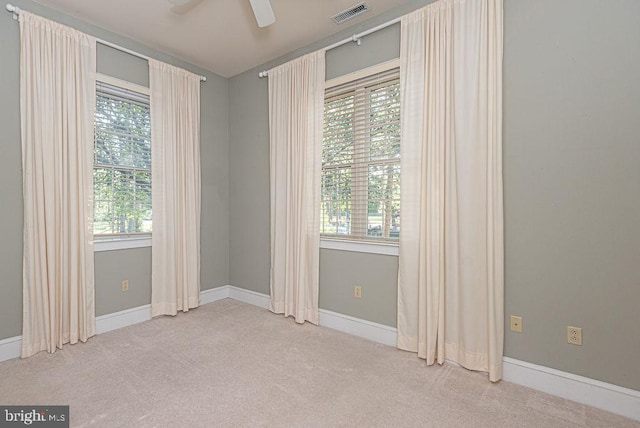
(605, 396)
(333, 320)
(358, 327)
(12, 347)
(116, 320)
(214, 294)
(248, 296)
(132, 316)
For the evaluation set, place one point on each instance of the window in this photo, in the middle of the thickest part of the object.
(361, 159)
(122, 161)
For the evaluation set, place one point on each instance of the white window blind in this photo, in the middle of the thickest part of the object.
(361, 159)
(122, 162)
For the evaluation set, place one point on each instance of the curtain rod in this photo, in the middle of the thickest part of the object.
(354, 38)
(16, 11)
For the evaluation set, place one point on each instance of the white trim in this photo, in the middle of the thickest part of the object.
(10, 348)
(605, 396)
(358, 327)
(140, 314)
(360, 247)
(365, 72)
(125, 84)
(333, 320)
(116, 320)
(248, 296)
(120, 243)
(214, 294)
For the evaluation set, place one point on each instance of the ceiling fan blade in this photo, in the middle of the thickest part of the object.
(263, 12)
(183, 6)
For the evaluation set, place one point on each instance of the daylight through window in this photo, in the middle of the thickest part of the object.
(361, 159)
(122, 162)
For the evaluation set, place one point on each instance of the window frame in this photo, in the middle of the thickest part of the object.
(120, 241)
(383, 247)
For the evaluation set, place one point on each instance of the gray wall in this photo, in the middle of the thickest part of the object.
(113, 266)
(249, 250)
(572, 184)
(377, 275)
(571, 172)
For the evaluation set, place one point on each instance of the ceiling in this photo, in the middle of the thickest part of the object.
(219, 35)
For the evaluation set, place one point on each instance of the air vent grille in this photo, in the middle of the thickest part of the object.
(351, 13)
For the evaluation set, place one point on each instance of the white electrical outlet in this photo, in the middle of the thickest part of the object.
(357, 291)
(125, 285)
(516, 324)
(574, 335)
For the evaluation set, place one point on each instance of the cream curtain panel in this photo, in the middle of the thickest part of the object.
(57, 102)
(175, 172)
(296, 102)
(450, 290)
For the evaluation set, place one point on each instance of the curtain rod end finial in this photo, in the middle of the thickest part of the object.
(13, 9)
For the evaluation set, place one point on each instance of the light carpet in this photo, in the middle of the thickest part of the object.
(232, 364)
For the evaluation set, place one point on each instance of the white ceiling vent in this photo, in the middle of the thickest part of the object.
(350, 13)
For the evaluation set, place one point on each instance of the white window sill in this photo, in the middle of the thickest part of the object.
(111, 244)
(388, 249)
